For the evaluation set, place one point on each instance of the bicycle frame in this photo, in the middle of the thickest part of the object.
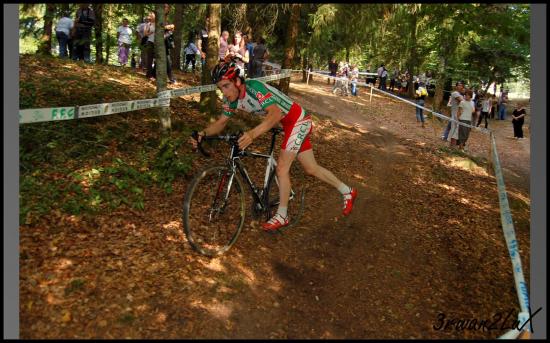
(235, 164)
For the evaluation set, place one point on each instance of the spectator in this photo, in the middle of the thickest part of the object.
(451, 131)
(223, 45)
(124, 34)
(82, 33)
(404, 83)
(133, 63)
(332, 69)
(393, 79)
(518, 118)
(379, 75)
(502, 102)
(250, 48)
(237, 50)
(149, 32)
(190, 51)
(420, 96)
(63, 33)
(493, 106)
(478, 102)
(465, 111)
(383, 78)
(260, 55)
(486, 108)
(170, 44)
(354, 77)
(142, 39)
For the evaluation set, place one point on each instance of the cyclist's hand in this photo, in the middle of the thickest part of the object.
(245, 140)
(194, 142)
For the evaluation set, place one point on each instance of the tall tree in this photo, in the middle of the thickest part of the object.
(98, 10)
(290, 48)
(160, 66)
(45, 45)
(208, 99)
(178, 32)
(108, 24)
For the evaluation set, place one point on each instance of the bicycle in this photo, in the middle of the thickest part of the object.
(214, 213)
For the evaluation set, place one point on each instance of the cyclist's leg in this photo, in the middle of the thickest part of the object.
(308, 162)
(283, 174)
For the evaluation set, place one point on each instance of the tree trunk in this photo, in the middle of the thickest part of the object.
(160, 66)
(178, 33)
(412, 63)
(108, 29)
(440, 84)
(208, 99)
(98, 9)
(290, 49)
(347, 54)
(45, 46)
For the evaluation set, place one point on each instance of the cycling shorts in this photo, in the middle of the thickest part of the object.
(297, 127)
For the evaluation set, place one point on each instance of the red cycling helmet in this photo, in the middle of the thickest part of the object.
(225, 71)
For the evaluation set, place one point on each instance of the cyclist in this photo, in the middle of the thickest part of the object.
(256, 97)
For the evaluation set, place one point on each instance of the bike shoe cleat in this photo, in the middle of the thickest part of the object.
(275, 223)
(349, 198)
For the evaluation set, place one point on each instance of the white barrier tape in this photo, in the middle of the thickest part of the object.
(328, 72)
(164, 98)
(439, 115)
(35, 115)
(510, 237)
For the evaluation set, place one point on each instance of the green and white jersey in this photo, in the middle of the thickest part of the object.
(258, 97)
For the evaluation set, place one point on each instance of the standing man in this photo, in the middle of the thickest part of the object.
(142, 39)
(332, 68)
(260, 54)
(379, 74)
(223, 45)
(63, 33)
(85, 20)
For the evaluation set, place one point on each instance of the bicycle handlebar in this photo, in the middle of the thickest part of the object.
(231, 138)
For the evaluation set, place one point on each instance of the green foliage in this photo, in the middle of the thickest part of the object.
(168, 164)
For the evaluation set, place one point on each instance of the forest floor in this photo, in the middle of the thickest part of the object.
(424, 239)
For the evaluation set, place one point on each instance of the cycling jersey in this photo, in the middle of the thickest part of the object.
(258, 96)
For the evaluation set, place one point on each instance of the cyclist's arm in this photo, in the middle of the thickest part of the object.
(274, 115)
(217, 126)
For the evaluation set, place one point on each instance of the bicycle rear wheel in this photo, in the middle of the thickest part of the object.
(214, 210)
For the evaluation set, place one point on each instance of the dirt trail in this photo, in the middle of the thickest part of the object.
(423, 239)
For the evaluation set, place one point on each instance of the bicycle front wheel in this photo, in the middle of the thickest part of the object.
(214, 210)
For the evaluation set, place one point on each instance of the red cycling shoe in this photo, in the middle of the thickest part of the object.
(275, 223)
(349, 198)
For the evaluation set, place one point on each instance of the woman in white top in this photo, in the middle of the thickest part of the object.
(238, 51)
(124, 34)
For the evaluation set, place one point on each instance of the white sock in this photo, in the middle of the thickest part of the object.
(282, 211)
(344, 189)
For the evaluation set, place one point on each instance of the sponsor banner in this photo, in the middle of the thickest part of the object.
(35, 115)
